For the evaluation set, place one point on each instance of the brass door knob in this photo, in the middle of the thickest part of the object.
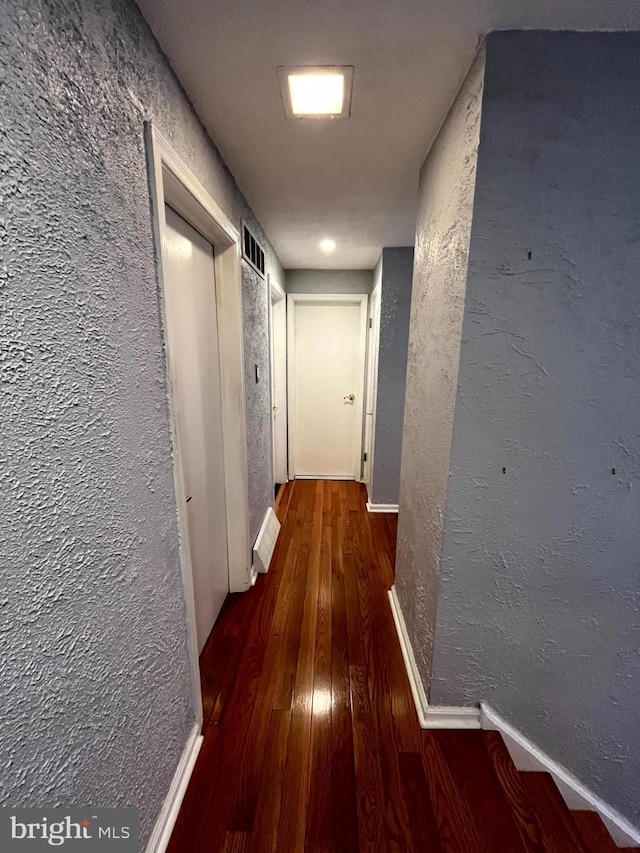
(350, 397)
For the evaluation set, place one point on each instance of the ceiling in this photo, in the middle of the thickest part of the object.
(351, 180)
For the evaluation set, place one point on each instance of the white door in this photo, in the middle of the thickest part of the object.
(327, 338)
(372, 385)
(194, 359)
(279, 383)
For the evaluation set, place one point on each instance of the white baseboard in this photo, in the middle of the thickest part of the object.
(323, 477)
(527, 756)
(429, 716)
(381, 507)
(169, 812)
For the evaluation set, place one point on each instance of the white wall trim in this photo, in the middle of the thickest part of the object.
(527, 756)
(163, 828)
(371, 391)
(278, 374)
(170, 181)
(371, 507)
(293, 299)
(323, 477)
(429, 716)
(276, 291)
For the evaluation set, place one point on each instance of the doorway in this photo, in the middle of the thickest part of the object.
(192, 333)
(188, 222)
(278, 341)
(327, 342)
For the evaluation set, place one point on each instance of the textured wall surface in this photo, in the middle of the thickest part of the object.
(255, 306)
(437, 302)
(540, 575)
(395, 307)
(94, 683)
(329, 281)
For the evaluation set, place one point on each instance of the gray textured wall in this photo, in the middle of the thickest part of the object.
(439, 281)
(329, 281)
(395, 307)
(94, 683)
(540, 576)
(255, 307)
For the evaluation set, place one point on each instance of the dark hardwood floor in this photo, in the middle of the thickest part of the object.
(311, 737)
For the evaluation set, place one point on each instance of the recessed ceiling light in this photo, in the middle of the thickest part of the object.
(327, 245)
(316, 94)
(316, 91)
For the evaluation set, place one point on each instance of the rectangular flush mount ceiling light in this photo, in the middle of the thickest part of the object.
(316, 91)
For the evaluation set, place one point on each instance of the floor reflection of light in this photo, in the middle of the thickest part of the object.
(321, 702)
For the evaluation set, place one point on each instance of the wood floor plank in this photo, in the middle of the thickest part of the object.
(344, 817)
(594, 833)
(188, 827)
(253, 603)
(559, 831)
(282, 500)
(312, 742)
(515, 791)
(195, 809)
(292, 826)
(457, 826)
(318, 835)
(236, 842)
(299, 555)
(370, 793)
(264, 838)
(422, 822)
(236, 722)
(249, 771)
(220, 656)
(372, 599)
(473, 773)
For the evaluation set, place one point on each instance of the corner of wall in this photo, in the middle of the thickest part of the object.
(438, 295)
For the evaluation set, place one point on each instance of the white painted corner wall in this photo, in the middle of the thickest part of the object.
(525, 755)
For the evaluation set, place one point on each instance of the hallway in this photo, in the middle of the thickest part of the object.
(311, 737)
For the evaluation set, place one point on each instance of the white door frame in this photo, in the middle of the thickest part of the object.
(276, 295)
(293, 299)
(172, 183)
(371, 402)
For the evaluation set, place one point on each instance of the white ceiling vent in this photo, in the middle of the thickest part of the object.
(266, 542)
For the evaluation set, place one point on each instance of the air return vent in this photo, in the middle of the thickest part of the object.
(251, 250)
(266, 542)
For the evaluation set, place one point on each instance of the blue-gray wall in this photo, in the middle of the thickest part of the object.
(443, 231)
(94, 683)
(395, 306)
(538, 610)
